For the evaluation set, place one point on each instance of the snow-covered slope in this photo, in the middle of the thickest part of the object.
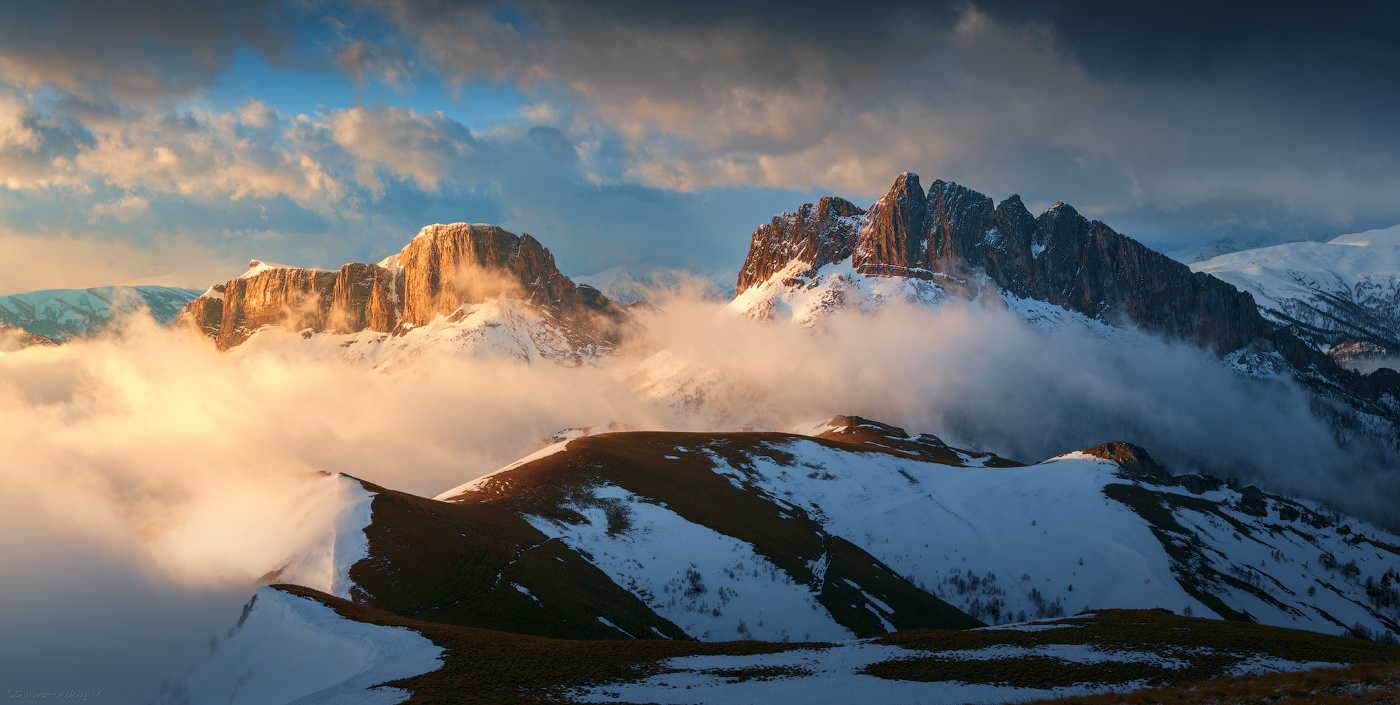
(617, 284)
(803, 295)
(65, 313)
(290, 650)
(498, 328)
(1326, 292)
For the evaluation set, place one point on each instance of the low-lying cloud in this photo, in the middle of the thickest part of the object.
(150, 480)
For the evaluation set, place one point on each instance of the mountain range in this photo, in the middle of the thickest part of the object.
(843, 558)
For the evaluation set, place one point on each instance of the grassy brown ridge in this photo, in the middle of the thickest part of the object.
(1362, 684)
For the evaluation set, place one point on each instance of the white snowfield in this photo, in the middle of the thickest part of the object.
(713, 586)
(1316, 283)
(839, 287)
(1381, 236)
(296, 651)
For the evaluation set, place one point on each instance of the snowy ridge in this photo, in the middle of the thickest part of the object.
(805, 297)
(1002, 544)
(1383, 236)
(295, 650)
(478, 482)
(1013, 544)
(325, 565)
(790, 295)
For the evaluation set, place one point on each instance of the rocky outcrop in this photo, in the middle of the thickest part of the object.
(12, 338)
(206, 313)
(442, 270)
(1133, 459)
(816, 235)
(365, 297)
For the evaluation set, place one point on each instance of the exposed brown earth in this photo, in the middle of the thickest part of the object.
(461, 563)
(856, 430)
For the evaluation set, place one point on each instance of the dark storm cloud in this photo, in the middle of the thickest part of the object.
(1197, 39)
(138, 49)
(1179, 122)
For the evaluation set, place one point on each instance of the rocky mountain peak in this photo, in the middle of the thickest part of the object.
(815, 235)
(890, 240)
(1060, 257)
(441, 270)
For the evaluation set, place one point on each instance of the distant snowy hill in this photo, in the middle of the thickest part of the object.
(1327, 293)
(65, 313)
(619, 284)
(1192, 255)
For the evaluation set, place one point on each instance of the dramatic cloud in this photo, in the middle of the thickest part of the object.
(1174, 127)
(1176, 124)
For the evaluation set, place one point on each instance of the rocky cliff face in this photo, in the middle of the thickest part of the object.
(816, 235)
(443, 269)
(1060, 257)
(448, 266)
